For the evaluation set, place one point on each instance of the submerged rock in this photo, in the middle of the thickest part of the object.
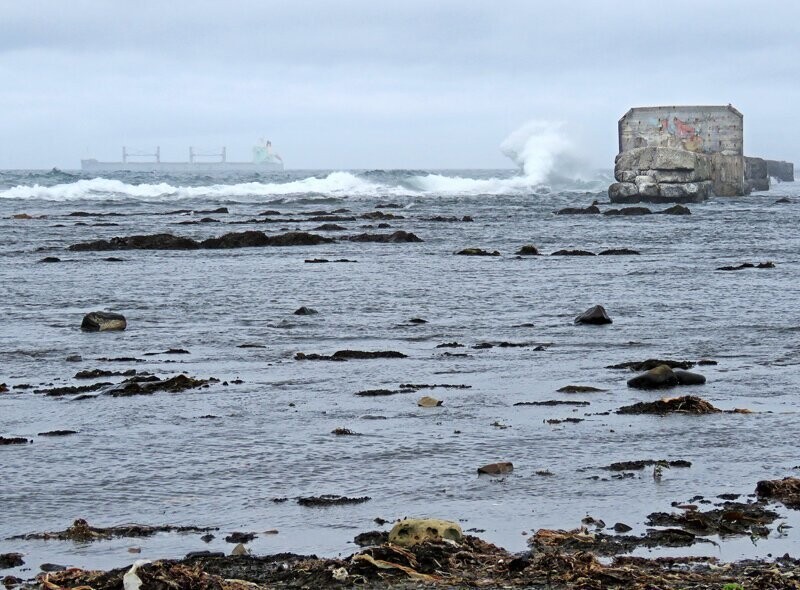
(103, 321)
(14, 440)
(343, 355)
(476, 252)
(305, 311)
(413, 531)
(331, 500)
(590, 210)
(595, 316)
(396, 237)
(246, 239)
(580, 389)
(572, 253)
(687, 404)
(629, 211)
(641, 464)
(50, 259)
(651, 364)
(619, 252)
(748, 265)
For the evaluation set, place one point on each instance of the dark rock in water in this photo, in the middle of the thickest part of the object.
(58, 433)
(381, 215)
(379, 392)
(417, 321)
(497, 468)
(388, 206)
(150, 242)
(113, 259)
(687, 378)
(786, 490)
(450, 345)
(14, 440)
(269, 213)
(675, 210)
(9, 560)
(97, 373)
(52, 567)
(3, 388)
(205, 554)
(629, 211)
(232, 240)
(343, 355)
(329, 227)
(360, 354)
(572, 253)
(81, 531)
(619, 252)
(50, 259)
(396, 237)
(621, 527)
(732, 518)
(641, 464)
(103, 321)
(590, 210)
(482, 345)
(476, 252)
(748, 265)
(74, 358)
(207, 538)
(594, 315)
(331, 500)
(687, 404)
(580, 389)
(168, 351)
(783, 201)
(147, 385)
(651, 364)
(658, 377)
(553, 402)
(73, 390)
(249, 239)
(240, 537)
(344, 432)
(305, 311)
(371, 538)
(528, 250)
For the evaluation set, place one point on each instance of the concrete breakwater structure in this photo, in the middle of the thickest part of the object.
(686, 154)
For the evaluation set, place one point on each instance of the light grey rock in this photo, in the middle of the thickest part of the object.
(620, 191)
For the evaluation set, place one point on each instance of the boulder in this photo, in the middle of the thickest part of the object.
(412, 531)
(675, 210)
(103, 321)
(528, 251)
(497, 468)
(619, 252)
(590, 210)
(594, 315)
(657, 378)
(689, 378)
(688, 192)
(305, 311)
(572, 253)
(428, 402)
(9, 560)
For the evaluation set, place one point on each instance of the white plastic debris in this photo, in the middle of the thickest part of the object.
(130, 581)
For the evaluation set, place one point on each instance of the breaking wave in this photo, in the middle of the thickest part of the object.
(541, 150)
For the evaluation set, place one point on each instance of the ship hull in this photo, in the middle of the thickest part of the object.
(190, 167)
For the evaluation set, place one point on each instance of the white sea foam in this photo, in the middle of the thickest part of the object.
(541, 149)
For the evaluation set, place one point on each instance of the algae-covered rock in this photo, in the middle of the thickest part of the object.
(416, 530)
(103, 321)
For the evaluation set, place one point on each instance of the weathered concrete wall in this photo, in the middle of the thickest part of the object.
(781, 170)
(755, 174)
(703, 129)
(727, 172)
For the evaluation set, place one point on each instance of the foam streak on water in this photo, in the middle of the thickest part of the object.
(157, 460)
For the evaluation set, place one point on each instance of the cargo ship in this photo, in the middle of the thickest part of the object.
(264, 160)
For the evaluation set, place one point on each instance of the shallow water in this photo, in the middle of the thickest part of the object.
(154, 460)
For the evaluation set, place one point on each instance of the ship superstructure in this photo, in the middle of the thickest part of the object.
(264, 160)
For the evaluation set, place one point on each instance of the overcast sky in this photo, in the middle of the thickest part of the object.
(379, 83)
